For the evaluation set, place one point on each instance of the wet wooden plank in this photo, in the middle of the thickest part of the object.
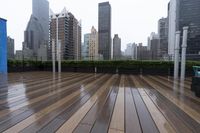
(162, 124)
(172, 112)
(132, 123)
(88, 121)
(17, 92)
(42, 94)
(146, 121)
(8, 122)
(180, 90)
(102, 122)
(33, 85)
(176, 100)
(176, 85)
(45, 111)
(117, 120)
(70, 110)
(72, 123)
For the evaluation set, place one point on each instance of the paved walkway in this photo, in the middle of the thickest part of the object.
(101, 103)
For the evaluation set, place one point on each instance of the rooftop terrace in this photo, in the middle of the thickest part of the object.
(96, 103)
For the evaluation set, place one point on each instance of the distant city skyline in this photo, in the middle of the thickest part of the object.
(133, 20)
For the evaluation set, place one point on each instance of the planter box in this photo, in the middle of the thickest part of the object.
(85, 69)
(155, 71)
(196, 86)
(67, 69)
(134, 71)
(106, 70)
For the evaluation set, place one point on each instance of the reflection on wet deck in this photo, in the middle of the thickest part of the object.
(96, 103)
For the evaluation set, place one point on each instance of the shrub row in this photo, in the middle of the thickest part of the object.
(122, 65)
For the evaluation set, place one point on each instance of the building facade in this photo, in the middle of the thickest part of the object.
(163, 36)
(131, 51)
(189, 15)
(116, 47)
(155, 46)
(93, 44)
(3, 46)
(86, 46)
(67, 29)
(142, 52)
(37, 32)
(104, 29)
(10, 48)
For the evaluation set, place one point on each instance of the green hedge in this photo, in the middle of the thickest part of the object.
(111, 64)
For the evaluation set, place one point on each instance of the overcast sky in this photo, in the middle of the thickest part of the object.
(133, 20)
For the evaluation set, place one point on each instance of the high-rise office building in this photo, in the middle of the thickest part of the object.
(93, 45)
(86, 46)
(69, 33)
(163, 36)
(155, 46)
(116, 47)
(36, 35)
(185, 13)
(10, 48)
(131, 51)
(104, 23)
(142, 52)
(188, 14)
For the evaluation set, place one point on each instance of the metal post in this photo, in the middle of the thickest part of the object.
(176, 60)
(53, 56)
(183, 58)
(59, 56)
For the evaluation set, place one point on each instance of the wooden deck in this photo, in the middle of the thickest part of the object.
(96, 103)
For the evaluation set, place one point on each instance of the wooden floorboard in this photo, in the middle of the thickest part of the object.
(41, 102)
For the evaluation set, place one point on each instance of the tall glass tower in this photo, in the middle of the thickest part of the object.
(188, 14)
(36, 35)
(105, 30)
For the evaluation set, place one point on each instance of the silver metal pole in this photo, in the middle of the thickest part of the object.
(183, 58)
(53, 56)
(176, 60)
(59, 56)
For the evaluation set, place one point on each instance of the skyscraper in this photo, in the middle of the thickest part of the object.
(69, 33)
(188, 14)
(116, 47)
(104, 23)
(155, 46)
(93, 44)
(36, 35)
(86, 46)
(163, 36)
(10, 48)
(185, 13)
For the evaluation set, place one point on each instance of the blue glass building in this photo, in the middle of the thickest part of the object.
(3, 46)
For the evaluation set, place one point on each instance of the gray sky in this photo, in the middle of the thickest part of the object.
(133, 20)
